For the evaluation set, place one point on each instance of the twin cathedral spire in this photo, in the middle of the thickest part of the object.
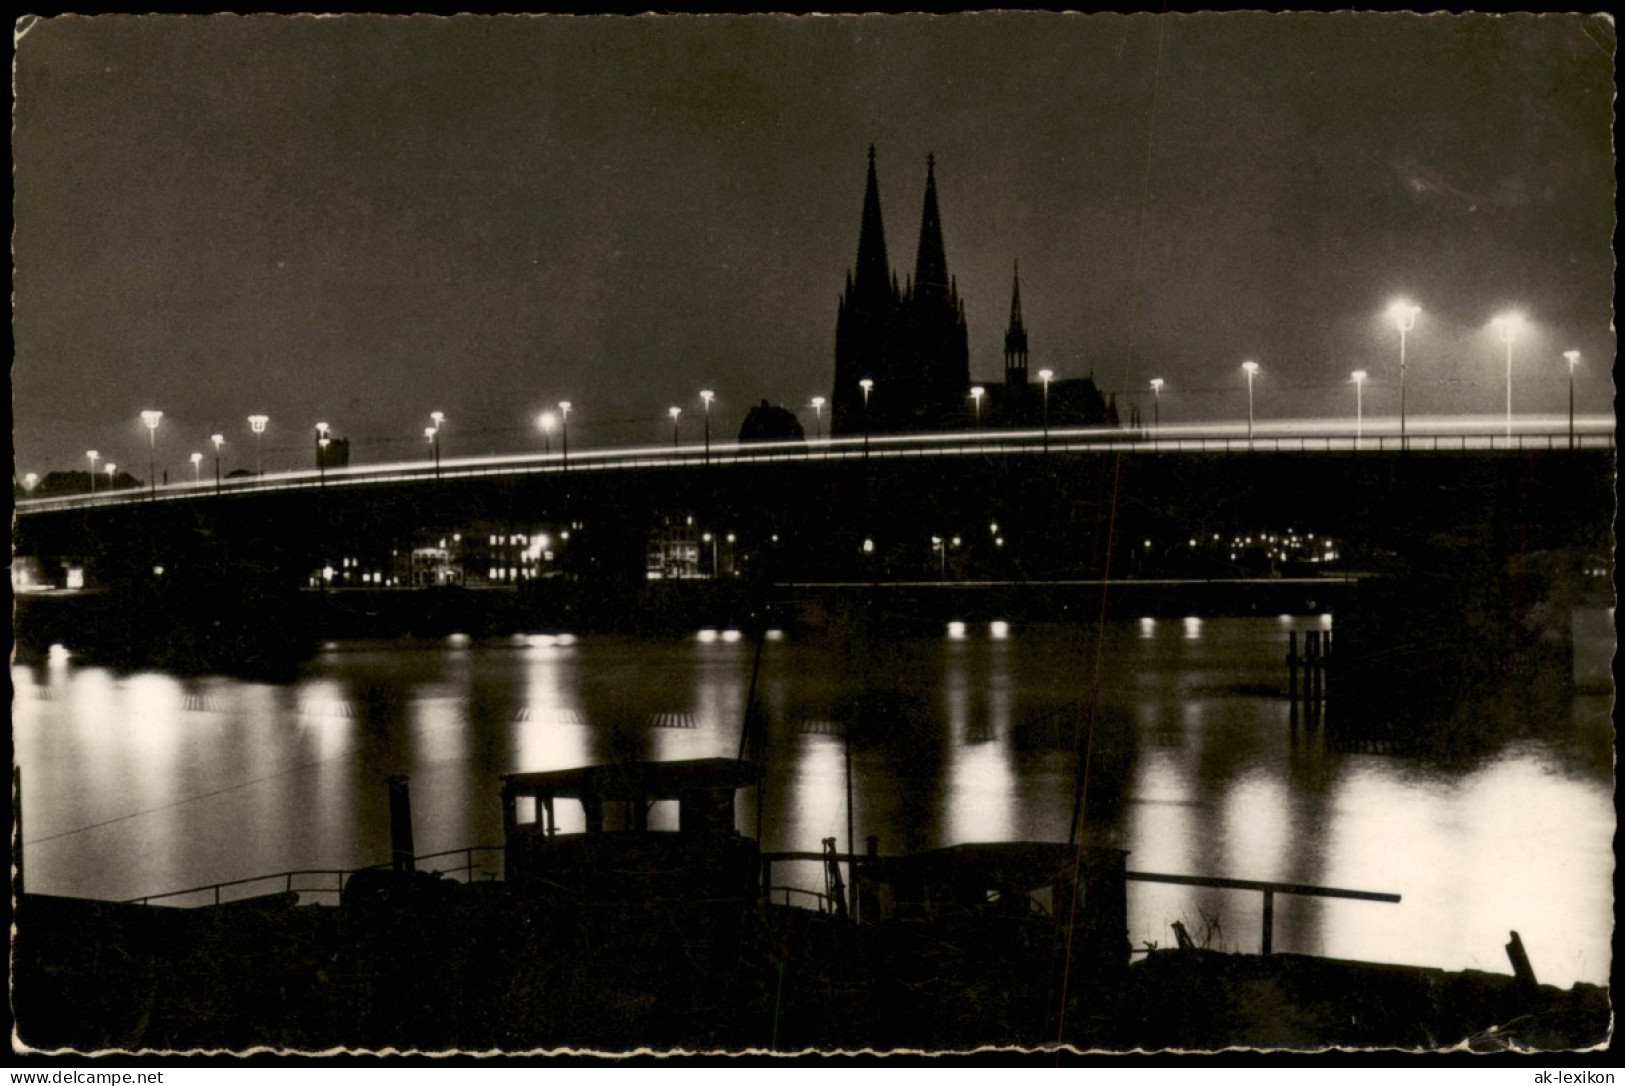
(909, 340)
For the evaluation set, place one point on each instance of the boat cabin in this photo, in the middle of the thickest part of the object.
(647, 831)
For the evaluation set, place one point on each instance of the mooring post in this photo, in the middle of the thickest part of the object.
(1269, 921)
(1292, 671)
(1520, 963)
(1312, 675)
(1326, 668)
(402, 854)
(17, 825)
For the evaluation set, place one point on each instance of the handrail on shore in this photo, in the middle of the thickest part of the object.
(1268, 889)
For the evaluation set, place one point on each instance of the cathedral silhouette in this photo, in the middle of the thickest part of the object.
(902, 356)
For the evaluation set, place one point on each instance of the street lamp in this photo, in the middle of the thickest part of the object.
(818, 417)
(1156, 403)
(433, 433)
(30, 481)
(706, 395)
(564, 431)
(1046, 376)
(152, 419)
(257, 423)
(321, 445)
(1507, 326)
(976, 394)
(112, 470)
(868, 386)
(94, 456)
(545, 422)
(218, 440)
(1358, 377)
(674, 412)
(1574, 358)
(1404, 314)
(711, 539)
(197, 467)
(1251, 368)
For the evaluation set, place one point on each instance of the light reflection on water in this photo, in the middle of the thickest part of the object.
(143, 783)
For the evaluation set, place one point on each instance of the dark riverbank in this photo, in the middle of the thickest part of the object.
(468, 967)
(207, 630)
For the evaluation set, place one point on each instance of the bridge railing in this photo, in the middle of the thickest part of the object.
(878, 447)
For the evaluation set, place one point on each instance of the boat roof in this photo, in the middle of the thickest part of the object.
(636, 780)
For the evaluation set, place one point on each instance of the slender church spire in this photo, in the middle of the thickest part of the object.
(1015, 304)
(931, 264)
(1015, 339)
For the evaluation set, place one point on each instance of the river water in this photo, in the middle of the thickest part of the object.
(141, 783)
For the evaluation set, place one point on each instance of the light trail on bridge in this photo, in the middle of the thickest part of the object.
(1441, 434)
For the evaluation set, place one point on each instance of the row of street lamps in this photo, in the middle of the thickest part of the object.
(1403, 313)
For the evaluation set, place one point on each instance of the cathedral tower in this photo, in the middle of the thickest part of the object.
(865, 323)
(938, 351)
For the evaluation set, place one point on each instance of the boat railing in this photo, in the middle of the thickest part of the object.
(825, 900)
(328, 882)
(1268, 889)
(783, 893)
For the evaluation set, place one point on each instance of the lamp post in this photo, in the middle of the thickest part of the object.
(1250, 368)
(976, 394)
(1506, 327)
(218, 440)
(674, 412)
(818, 418)
(436, 417)
(112, 474)
(1156, 403)
(94, 456)
(321, 447)
(197, 467)
(545, 423)
(1573, 359)
(152, 419)
(868, 386)
(1404, 314)
(940, 545)
(257, 424)
(1358, 377)
(1046, 376)
(564, 431)
(706, 395)
(30, 481)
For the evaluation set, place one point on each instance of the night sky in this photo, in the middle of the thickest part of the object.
(358, 220)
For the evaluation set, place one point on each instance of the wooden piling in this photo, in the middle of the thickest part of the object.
(1292, 671)
(1521, 969)
(402, 853)
(17, 827)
